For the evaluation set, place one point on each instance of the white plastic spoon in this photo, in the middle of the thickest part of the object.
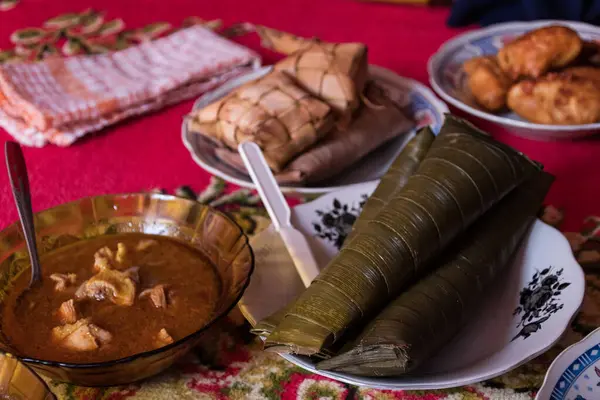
(279, 211)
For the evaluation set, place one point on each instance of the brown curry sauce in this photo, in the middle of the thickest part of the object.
(192, 291)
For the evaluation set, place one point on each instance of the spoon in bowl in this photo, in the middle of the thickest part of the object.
(19, 182)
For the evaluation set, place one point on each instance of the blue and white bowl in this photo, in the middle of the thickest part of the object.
(575, 373)
(448, 79)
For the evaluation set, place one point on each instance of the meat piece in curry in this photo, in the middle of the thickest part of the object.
(67, 313)
(111, 297)
(156, 295)
(163, 338)
(110, 284)
(80, 336)
(63, 281)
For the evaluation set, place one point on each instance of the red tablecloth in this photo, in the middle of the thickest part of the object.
(147, 152)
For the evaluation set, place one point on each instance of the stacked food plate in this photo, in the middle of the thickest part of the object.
(521, 312)
(323, 117)
(419, 103)
(436, 275)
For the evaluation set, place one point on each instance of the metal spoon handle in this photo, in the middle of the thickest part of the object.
(19, 182)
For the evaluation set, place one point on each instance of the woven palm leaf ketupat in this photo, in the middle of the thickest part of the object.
(371, 127)
(281, 42)
(273, 112)
(395, 178)
(334, 72)
(418, 323)
(464, 173)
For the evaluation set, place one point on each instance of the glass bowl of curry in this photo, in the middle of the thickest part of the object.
(129, 284)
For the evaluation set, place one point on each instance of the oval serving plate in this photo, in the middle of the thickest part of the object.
(499, 337)
(575, 373)
(418, 101)
(448, 79)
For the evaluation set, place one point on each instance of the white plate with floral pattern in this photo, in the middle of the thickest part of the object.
(416, 100)
(575, 373)
(525, 314)
(448, 79)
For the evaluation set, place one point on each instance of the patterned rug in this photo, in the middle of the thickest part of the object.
(236, 368)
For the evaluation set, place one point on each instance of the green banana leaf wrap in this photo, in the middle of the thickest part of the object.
(418, 323)
(267, 325)
(464, 173)
(395, 178)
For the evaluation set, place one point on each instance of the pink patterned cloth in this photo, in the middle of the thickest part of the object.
(60, 100)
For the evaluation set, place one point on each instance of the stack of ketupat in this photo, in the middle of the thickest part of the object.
(431, 243)
(313, 116)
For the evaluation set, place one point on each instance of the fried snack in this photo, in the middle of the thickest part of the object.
(536, 52)
(273, 112)
(487, 82)
(589, 55)
(334, 72)
(558, 99)
(587, 72)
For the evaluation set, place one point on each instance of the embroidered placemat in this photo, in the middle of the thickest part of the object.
(59, 100)
(231, 365)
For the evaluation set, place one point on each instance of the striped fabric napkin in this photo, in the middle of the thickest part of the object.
(59, 100)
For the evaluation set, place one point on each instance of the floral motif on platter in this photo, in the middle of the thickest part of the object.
(539, 300)
(335, 223)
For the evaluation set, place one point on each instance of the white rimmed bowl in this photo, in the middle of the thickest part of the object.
(418, 101)
(447, 77)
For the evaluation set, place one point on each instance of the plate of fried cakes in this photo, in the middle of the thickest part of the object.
(539, 80)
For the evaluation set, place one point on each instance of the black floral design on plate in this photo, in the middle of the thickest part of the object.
(539, 300)
(335, 224)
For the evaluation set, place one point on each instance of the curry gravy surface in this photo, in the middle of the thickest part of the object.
(192, 286)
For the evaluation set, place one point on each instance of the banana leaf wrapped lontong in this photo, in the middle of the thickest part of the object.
(463, 175)
(394, 179)
(423, 319)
